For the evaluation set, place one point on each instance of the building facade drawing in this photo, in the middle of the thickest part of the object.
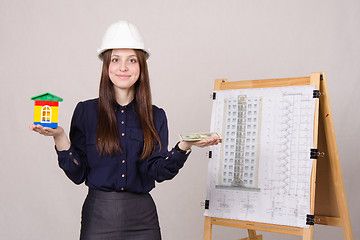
(241, 145)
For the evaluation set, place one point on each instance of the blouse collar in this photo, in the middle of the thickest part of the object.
(131, 104)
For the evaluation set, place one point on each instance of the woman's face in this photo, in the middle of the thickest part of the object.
(124, 69)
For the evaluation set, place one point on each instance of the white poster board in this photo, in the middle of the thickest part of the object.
(261, 171)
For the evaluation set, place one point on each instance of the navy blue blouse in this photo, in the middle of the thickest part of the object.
(124, 171)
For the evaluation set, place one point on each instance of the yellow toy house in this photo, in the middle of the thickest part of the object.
(46, 110)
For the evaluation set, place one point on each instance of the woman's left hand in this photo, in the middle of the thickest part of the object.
(186, 145)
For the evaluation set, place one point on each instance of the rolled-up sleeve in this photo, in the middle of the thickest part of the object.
(73, 161)
(163, 164)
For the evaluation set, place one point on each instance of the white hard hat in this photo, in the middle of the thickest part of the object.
(122, 34)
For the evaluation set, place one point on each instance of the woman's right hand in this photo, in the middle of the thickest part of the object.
(61, 140)
(46, 131)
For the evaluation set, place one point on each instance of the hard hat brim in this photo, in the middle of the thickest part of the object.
(101, 51)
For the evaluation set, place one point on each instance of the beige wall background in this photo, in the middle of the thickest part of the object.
(52, 45)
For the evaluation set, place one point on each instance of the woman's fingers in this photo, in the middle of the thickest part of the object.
(207, 142)
(46, 131)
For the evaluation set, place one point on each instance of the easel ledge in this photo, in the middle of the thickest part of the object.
(296, 231)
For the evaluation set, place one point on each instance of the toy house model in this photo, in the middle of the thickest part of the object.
(46, 110)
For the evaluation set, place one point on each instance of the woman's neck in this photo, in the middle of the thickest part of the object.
(124, 96)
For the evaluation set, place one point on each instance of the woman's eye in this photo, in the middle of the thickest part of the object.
(114, 60)
(133, 60)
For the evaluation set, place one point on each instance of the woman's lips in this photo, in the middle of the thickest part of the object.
(123, 76)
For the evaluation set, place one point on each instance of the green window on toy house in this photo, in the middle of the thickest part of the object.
(46, 114)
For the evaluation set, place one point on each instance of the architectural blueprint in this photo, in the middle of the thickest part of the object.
(262, 170)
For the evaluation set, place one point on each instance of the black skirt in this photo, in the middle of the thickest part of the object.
(119, 216)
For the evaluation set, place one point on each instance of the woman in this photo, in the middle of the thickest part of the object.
(118, 144)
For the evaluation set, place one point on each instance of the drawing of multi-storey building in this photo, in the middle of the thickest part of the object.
(241, 131)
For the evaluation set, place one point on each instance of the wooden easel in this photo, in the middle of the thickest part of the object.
(327, 201)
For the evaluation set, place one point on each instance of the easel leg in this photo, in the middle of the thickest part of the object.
(252, 236)
(207, 228)
(308, 233)
(334, 160)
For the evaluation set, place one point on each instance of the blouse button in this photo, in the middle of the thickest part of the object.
(123, 175)
(123, 161)
(70, 153)
(122, 111)
(122, 122)
(123, 134)
(122, 189)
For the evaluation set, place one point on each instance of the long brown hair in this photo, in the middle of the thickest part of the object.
(107, 134)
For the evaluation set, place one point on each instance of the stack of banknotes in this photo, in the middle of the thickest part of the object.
(199, 136)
